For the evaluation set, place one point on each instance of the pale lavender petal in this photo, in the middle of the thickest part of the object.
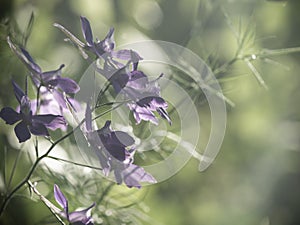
(22, 132)
(134, 175)
(67, 85)
(38, 129)
(126, 54)
(86, 30)
(60, 198)
(82, 216)
(142, 113)
(52, 122)
(10, 116)
(59, 97)
(138, 80)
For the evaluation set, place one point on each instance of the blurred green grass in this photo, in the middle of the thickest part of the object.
(254, 179)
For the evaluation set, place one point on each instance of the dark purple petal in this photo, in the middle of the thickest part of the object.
(22, 131)
(38, 129)
(119, 81)
(67, 85)
(10, 116)
(60, 198)
(86, 31)
(18, 92)
(81, 216)
(52, 122)
(30, 62)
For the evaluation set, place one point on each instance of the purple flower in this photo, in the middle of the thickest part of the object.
(81, 217)
(145, 95)
(51, 80)
(29, 123)
(113, 148)
(101, 48)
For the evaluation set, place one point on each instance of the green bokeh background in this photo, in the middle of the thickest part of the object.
(256, 177)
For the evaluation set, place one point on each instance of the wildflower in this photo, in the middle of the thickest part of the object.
(51, 80)
(29, 123)
(113, 148)
(101, 48)
(80, 217)
(145, 95)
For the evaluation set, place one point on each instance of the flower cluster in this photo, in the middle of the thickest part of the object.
(114, 149)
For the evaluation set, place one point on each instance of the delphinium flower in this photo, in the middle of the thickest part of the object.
(49, 81)
(144, 94)
(100, 48)
(80, 217)
(115, 151)
(29, 123)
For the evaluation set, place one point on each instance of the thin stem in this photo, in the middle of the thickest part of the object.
(13, 169)
(25, 180)
(75, 163)
(54, 210)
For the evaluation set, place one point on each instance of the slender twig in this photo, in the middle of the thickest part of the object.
(14, 169)
(75, 163)
(25, 180)
(54, 210)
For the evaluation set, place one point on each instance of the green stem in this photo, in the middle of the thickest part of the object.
(25, 180)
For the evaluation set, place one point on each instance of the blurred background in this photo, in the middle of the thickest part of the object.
(255, 179)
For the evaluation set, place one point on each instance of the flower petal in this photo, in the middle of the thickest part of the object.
(134, 175)
(142, 113)
(82, 216)
(10, 116)
(60, 198)
(86, 31)
(122, 138)
(67, 85)
(126, 54)
(58, 96)
(30, 62)
(38, 129)
(49, 75)
(22, 132)
(52, 122)
(18, 91)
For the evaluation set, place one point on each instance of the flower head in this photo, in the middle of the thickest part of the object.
(100, 48)
(115, 152)
(29, 123)
(80, 217)
(51, 80)
(145, 94)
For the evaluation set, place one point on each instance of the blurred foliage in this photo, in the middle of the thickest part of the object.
(255, 178)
